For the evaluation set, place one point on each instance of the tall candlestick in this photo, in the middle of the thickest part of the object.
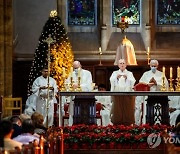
(148, 55)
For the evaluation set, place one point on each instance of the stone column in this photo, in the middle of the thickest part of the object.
(6, 47)
(2, 47)
(62, 11)
(106, 23)
(103, 37)
(145, 23)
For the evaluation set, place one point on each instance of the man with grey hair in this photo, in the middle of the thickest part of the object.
(153, 78)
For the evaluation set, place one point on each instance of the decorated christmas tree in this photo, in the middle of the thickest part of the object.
(61, 55)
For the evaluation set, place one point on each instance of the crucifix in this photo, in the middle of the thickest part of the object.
(49, 41)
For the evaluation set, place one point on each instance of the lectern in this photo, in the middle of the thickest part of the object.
(157, 110)
(84, 110)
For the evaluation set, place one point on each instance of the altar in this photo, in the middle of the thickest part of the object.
(157, 104)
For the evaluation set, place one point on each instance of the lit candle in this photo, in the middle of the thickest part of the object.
(163, 71)
(148, 51)
(100, 51)
(178, 72)
(171, 72)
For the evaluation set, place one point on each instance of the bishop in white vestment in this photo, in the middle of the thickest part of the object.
(122, 111)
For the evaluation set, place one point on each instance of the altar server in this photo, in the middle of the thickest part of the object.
(40, 89)
(106, 106)
(174, 109)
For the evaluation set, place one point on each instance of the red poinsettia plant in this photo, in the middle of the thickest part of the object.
(109, 135)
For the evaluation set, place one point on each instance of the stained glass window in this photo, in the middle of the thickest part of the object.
(81, 12)
(168, 12)
(125, 8)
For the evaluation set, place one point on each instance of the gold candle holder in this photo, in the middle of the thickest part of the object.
(63, 87)
(178, 84)
(71, 88)
(79, 84)
(163, 87)
(171, 84)
(148, 56)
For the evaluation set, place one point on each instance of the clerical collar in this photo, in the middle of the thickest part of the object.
(122, 71)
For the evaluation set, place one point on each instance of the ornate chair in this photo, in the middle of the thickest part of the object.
(66, 113)
(142, 87)
(98, 110)
(12, 106)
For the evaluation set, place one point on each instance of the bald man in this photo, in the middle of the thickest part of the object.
(153, 78)
(85, 83)
(86, 77)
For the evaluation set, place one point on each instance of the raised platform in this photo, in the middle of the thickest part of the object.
(115, 151)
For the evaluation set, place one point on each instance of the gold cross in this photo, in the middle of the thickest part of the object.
(49, 40)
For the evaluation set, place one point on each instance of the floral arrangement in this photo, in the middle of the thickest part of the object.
(115, 137)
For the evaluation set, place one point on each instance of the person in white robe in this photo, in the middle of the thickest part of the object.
(85, 84)
(174, 109)
(153, 78)
(30, 107)
(125, 50)
(43, 104)
(122, 80)
(106, 106)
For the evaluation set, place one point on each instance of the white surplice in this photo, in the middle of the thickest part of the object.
(41, 104)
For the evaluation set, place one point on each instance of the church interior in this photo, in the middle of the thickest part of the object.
(95, 31)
